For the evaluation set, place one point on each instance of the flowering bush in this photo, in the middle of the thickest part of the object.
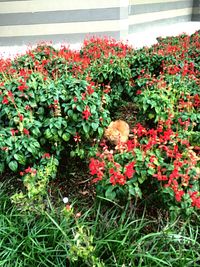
(48, 103)
(175, 88)
(54, 100)
(155, 155)
(165, 87)
(40, 114)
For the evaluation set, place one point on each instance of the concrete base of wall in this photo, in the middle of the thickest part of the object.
(148, 36)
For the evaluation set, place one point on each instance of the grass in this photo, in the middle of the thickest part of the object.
(122, 236)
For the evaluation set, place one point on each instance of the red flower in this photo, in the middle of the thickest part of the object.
(25, 131)
(166, 135)
(27, 107)
(22, 87)
(46, 155)
(96, 167)
(13, 132)
(10, 95)
(178, 195)
(83, 95)
(196, 100)
(5, 100)
(21, 117)
(86, 113)
(129, 171)
(30, 170)
(4, 148)
(159, 175)
(138, 92)
(152, 158)
(107, 89)
(116, 177)
(131, 144)
(77, 138)
(195, 199)
(68, 207)
(139, 130)
(90, 90)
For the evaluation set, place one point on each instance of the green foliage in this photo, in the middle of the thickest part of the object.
(36, 183)
(54, 101)
(115, 237)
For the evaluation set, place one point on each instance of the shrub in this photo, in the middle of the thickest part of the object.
(155, 156)
(62, 100)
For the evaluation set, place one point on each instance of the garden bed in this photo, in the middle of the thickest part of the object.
(55, 105)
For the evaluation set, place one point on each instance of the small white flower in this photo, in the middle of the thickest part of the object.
(65, 200)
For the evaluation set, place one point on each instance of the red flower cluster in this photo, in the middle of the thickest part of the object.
(86, 113)
(25, 131)
(116, 177)
(22, 86)
(129, 170)
(13, 132)
(195, 199)
(29, 170)
(96, 168)
(46, 156)
(172, 166)
(5, 100)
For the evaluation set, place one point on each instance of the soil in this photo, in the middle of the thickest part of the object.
(73, 181)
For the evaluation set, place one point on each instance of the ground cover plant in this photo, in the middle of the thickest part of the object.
(98, 236)
(54, 107)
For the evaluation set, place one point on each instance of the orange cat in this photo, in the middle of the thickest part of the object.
(117, 131)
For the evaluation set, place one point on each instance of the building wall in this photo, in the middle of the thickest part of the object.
(196, 10)
(31, 21)
(145, 14)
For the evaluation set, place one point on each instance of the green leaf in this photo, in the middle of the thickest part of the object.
(74, 117)
(151, 115)
(36, 144)
(138, 154)
(86, 128)
(79, 108)
(48, 134)
(131, 190)
(66, 137)
(35, 131)
(94, 126)
(2, 167)
(13, 165)
(57, 124)
(29, 148)
(138, 192)
(20, 158)
(40, 110)
(93, 109)
(100, 131)
(110, 193)
(151, 171)
(141, 179)
(60, 132)
(70, 113)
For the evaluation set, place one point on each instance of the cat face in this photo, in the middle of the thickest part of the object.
(112, 135)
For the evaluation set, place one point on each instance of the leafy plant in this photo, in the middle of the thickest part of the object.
(58, 100)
